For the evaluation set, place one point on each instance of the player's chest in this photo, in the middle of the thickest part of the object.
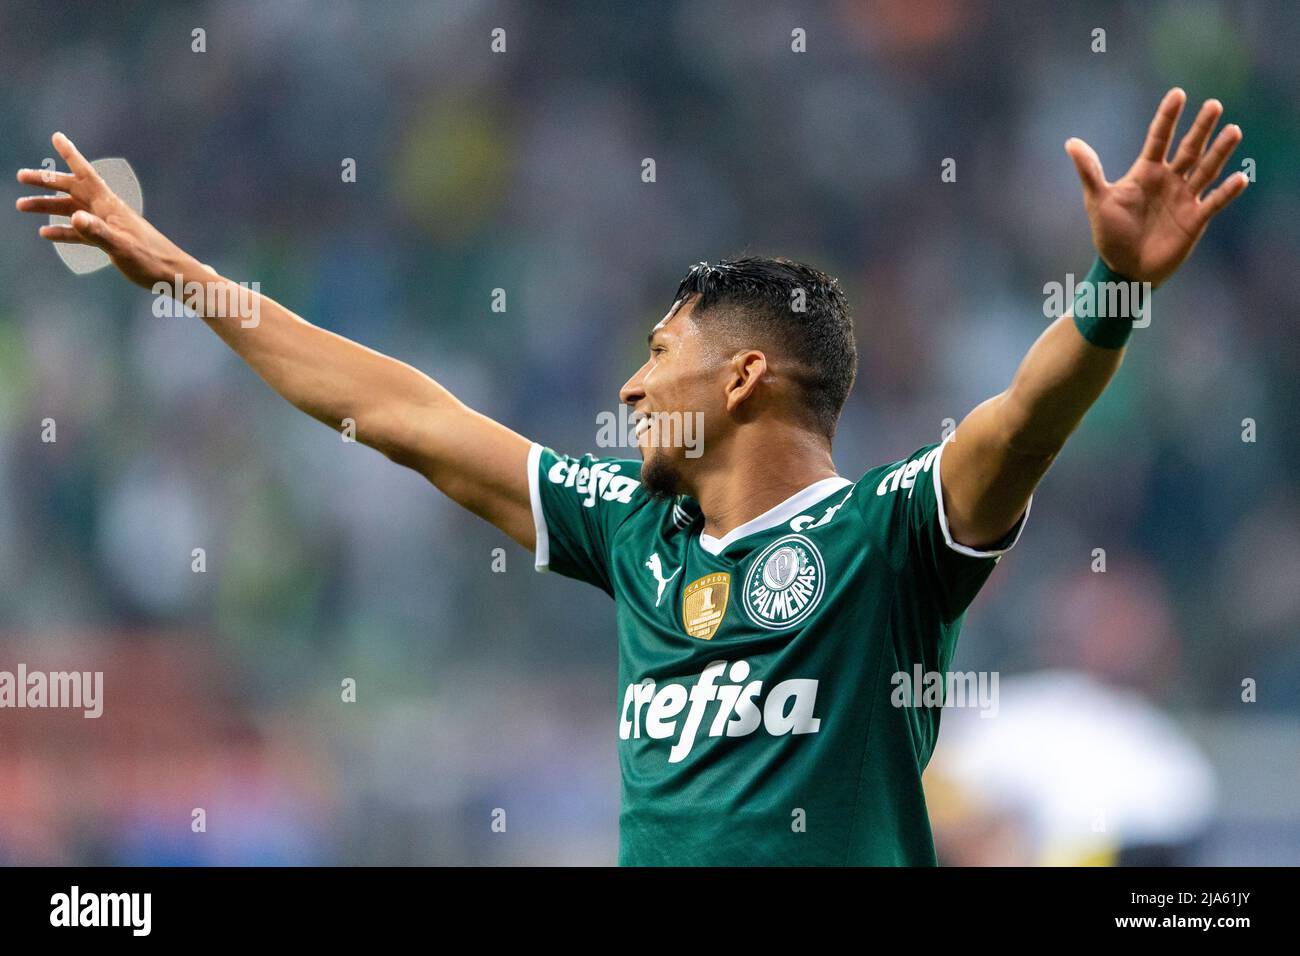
(677, 599)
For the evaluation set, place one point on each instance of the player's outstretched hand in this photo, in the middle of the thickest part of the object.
(99, 218)
(1147, 222)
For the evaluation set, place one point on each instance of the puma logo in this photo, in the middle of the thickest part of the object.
(657, 569)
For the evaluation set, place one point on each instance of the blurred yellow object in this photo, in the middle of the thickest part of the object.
(1102, 853)
(453, 170)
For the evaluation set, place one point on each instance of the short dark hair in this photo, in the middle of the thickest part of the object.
(759, 298)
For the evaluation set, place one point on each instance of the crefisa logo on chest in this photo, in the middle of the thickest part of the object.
(784, 583)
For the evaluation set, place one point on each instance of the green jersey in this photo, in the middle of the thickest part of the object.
(755, 707)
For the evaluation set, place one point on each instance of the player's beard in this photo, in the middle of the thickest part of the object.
(660, 475)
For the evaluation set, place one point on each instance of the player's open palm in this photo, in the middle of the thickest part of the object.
(99, 218)
(1147, 222)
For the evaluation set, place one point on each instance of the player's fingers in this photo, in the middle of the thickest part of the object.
(1087, 165)
(50, 205)
(72, 156)
(1193, 144)
(1211, 164)
(47, 179)
(1222, 194)
(62, 234)
(1161, 130)
(93, 229)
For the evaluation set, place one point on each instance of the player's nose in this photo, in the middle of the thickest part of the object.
(632, 392)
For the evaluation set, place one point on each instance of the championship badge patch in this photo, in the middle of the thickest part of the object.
(704, 602)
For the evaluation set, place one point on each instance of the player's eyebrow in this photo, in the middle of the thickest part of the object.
(650, 339)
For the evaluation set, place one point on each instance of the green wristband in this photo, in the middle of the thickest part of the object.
(1106, 305)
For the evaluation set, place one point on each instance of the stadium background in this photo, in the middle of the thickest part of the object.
(480, 690)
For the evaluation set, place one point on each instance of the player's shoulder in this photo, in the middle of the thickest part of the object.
(897, 493)
(901, 474)
(608, 486)
(591, 477)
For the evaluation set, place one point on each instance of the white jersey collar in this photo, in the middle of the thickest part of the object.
(776, 515)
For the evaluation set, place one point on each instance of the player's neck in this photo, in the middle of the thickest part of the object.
(754, 473)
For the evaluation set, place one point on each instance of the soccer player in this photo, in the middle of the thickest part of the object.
(764, 602)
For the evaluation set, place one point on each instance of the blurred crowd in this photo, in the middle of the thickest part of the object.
(522, 170)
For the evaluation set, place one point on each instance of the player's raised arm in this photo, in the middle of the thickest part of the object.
(398, 410)
(1144, 226)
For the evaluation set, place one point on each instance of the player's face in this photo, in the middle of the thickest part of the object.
(671, 396)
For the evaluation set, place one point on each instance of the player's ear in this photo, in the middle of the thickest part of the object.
(744, 372)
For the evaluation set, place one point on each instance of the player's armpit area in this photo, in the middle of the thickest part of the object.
(979, 549)
(475, 461)
(987, 476)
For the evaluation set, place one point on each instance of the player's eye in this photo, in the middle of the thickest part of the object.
(655, 350)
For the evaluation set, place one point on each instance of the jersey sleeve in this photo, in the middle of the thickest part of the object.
(903, 506)
(578, 506)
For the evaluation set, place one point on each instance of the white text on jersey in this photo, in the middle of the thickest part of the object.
(904, 476)
(600, 480)
(788, 708)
